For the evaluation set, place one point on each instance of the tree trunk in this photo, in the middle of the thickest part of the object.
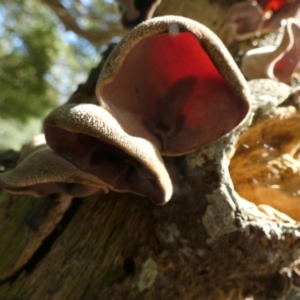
(207, 243)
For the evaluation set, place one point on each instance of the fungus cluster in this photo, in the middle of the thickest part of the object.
(161, 93)
(252, 18)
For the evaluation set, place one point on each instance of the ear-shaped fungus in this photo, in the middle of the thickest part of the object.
(169, 87)
(275, 62)
(92, 139)
(173, 82)
(41, 172)
(136, 11)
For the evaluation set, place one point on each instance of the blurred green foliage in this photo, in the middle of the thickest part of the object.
(28, 47)
(41, 63)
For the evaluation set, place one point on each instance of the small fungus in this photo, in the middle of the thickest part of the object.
(41, 172)
(277, 63)
(252, 18)
(161, 94)
(275, 11)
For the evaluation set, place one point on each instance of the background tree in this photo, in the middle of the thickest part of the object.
(45, 52)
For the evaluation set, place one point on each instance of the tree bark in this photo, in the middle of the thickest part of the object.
(207, 243)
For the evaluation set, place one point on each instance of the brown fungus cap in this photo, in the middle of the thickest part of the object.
(41, 172)
(88, 136)
(171, 81)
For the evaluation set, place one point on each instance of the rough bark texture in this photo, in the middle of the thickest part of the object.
(207, 243)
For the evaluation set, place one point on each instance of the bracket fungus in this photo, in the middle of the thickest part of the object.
(136, 11)
(169, 88)
(252, 18)
(273, 62)
(41, 172)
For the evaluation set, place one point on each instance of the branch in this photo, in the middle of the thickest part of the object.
(96, 37)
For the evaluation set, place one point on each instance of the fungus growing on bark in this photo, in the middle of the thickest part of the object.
(253, 18)
(41, 172)
(277, 63)
(136, 11)
(168, 88)
(172, 82)
(93, 140)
